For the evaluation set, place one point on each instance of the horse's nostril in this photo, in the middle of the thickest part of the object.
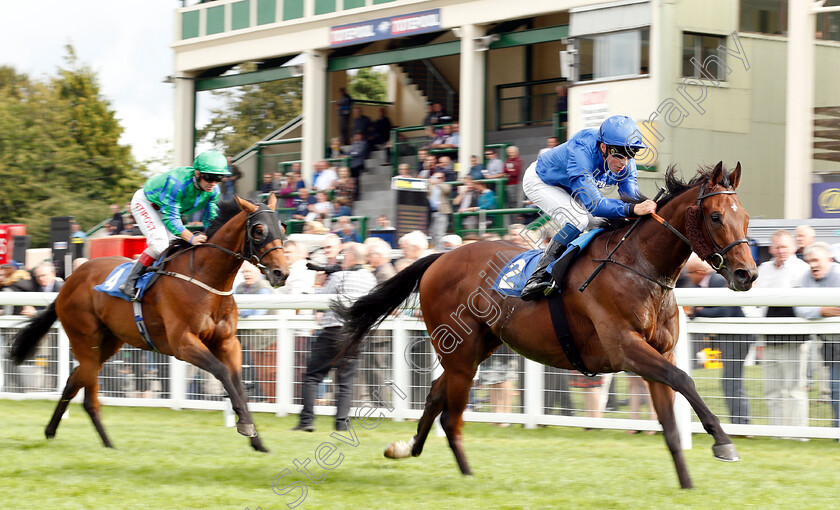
(742, 275)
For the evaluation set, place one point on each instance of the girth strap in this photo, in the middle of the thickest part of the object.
(564, 335)
(141, 325)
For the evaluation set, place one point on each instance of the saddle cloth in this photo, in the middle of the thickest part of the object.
(515, 274)
(119, 274)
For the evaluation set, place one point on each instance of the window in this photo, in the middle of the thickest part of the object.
(612, 55)
(828, 23)
(770, 17)
(699, 47)
(764, 16)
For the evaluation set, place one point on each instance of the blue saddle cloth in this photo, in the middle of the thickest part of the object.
(111, 285)
(515, 274)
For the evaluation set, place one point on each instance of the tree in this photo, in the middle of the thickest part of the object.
(252, 112)
(59, 150)
(368, 85)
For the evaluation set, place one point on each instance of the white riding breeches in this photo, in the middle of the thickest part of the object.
(150, 223)
(555, 201)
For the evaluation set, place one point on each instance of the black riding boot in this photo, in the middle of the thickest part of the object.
(540, 281)
(129, 286)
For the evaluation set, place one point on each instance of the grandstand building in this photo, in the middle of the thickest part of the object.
(707, 80)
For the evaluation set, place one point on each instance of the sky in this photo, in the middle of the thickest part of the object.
(125, 41)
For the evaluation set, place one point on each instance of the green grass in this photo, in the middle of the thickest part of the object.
(186, 459)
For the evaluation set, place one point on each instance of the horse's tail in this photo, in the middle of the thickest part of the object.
(28, 338)
(367, 312)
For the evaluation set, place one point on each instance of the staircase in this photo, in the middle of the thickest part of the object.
(376, 197)
(432, 85)
(529, 140)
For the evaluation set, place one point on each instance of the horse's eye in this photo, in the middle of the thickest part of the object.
(258, 232)
(715, 217)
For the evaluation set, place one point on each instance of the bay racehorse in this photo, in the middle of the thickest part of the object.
(626, 320)
(195, 321)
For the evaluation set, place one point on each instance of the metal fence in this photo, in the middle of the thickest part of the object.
(397, 366)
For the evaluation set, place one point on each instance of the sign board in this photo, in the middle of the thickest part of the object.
(594, 108)
(385, 28)
(409, 184)
(7, 233)
(825, 200)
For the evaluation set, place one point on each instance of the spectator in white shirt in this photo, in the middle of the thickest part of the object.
(787, 400)
(324, 176)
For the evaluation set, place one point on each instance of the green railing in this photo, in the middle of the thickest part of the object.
(409, 147)
(286, 157)
(559, 130)
(406, 146)
(296, 226)
(526, 103)
(262, 196)
(494, 215)
(497, 185)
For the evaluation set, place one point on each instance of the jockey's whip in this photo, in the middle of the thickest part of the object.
(609, 256)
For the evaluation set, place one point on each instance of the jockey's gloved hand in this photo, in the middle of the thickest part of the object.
(194, 238)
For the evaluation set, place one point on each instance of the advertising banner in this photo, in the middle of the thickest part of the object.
(385, 28)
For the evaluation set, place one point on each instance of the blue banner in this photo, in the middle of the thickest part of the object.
(825, 200)
(385, 28)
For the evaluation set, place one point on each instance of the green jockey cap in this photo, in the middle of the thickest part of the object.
(211, 162)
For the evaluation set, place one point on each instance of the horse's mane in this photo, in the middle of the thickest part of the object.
(674, 186)
(227, 210)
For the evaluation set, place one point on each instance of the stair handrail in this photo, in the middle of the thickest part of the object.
(282, 130)
(450, 92)
(527, 97)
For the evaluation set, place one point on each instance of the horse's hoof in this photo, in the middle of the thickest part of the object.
(246, 429)
(398, 450)
(726, 452)
(49, 434)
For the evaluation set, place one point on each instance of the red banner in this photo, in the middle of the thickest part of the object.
(7, 234)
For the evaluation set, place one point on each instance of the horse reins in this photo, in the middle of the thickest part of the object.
(705, 252)
(251, 246)
(603, 262)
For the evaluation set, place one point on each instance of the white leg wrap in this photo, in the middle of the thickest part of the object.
(399, 449)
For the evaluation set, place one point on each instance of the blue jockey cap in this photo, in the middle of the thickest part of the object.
(621, 131)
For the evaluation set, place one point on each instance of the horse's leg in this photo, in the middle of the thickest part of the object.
(436, 401)
(85, 375)
(70, 390)
(663, 401)
(457, 391)
(195, 352)
(91, 403)
(644, 360)
(230, 353)
(434, 406)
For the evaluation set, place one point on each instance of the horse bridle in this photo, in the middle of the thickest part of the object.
(251, 253)
(251, 244)
(705, 252)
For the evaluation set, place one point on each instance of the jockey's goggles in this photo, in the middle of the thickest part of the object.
(212, 177)
(622, 151)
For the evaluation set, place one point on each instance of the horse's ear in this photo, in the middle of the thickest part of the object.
(246, 205)
(717, 173)
(735, 176)
(272, 201)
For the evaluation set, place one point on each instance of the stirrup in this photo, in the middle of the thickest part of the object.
(542, 287)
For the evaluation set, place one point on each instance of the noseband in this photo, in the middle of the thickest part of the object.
(699, 243)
